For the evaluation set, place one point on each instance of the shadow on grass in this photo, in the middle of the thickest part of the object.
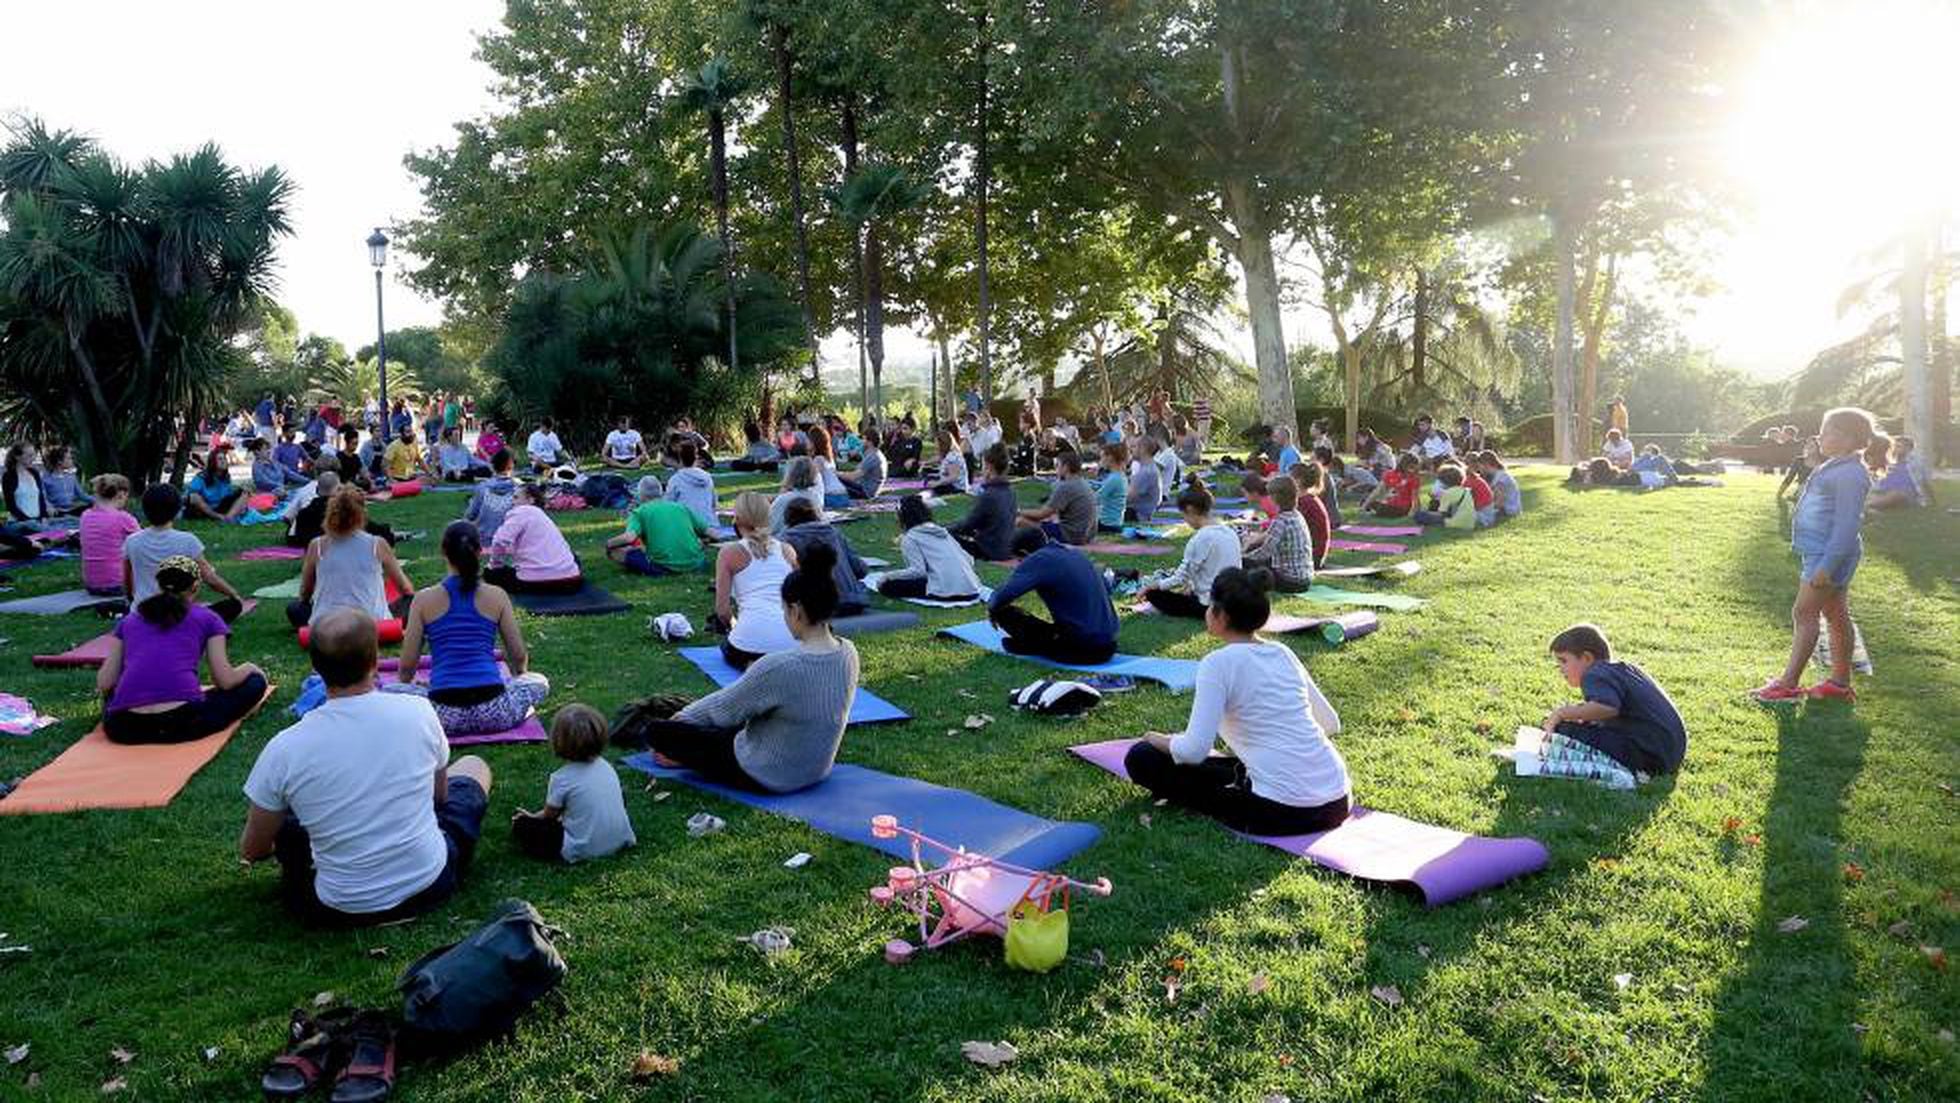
(1790, 1005)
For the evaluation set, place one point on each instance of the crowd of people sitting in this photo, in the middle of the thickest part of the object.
(370, 819)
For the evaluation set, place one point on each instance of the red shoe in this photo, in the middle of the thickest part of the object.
(1831, 691)
(1773, 692)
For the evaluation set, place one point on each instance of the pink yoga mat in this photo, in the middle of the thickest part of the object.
(1366, 546)
(530, 731)
(1383, 530)
(1129, 549)
(273, 551)
(902, 484)
(1437, 864)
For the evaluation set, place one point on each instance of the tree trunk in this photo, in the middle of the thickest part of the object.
(779, 42)
(1419, 335)
(1600, 308)
(874, 309)
(850, 136)
(1941, 351)
(718, 168)
(1262, 303)
(952, 385)
(105, 418)
(180, 461)
(1912, 332)
(1101, 352)
(1351, 371)
(982, 182)
(1564, 440)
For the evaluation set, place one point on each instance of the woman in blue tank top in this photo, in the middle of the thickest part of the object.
(463, 619)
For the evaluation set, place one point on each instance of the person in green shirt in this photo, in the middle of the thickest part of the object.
(661, 538)
(1454, 506)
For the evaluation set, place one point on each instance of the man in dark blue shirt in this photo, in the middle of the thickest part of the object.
(1084, 628)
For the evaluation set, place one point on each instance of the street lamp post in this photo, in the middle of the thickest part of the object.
(377, 244)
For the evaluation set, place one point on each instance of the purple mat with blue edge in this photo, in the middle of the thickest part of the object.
(842, 805)
(866, 706)
(1437, 864)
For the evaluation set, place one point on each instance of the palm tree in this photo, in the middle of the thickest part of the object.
(785, 66)
(713, 91)
(136, 281)
(870, 200)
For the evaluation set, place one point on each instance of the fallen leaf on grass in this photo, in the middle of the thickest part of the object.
(1387, 994)
(1935, 956)
(111, 1087)
(1793, 924)
(1622, 980)
(1752, 840)
(649, 1065)
(1853, 872)
(1260, 982)
(378, 951)
(1178, 965)
(1859, 1029)
(1946, 788)
(1275, 1097)
(1144, 819)
(19, 1053)
(210, 1053)
(1407, 715)
(1901, 929)
(122, 1056)
(1422, 951)
(1731, 825)
(1483, 727)
(1172, 986)
(991, 1054)
(979, 721)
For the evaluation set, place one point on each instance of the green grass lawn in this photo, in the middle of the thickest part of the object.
(146, 935)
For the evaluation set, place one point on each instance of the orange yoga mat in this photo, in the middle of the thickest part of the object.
(95, 773)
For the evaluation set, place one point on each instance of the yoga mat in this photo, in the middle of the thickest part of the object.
(902, 484)
(1405, 569)
(842, 805)
(939, 603)
(1128, 549)
(1861, 660)
(530, 731)
(866, 706)
(287, 590)
(406, 489)
(1437, 864)
(385, 632)
(869, 623)
(49, 556)
(96, 651)
(1366, 546)
(273, 551)
(1336, 629)
(95, 773)
(1176, 675)
(589, 601)
(1328, 595)
(1383, 530)
(48, 605)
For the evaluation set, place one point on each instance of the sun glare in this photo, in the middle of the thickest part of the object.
(1849, 115)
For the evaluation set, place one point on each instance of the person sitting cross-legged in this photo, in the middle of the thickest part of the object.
(149, 679)
(348, 567)
(662, 536)
(463, 619)
(368, 818)
(936, 566)
(1282, 775)
(533, 555)
(1071, 586)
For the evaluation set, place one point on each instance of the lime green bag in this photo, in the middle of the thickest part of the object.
(1037, 939)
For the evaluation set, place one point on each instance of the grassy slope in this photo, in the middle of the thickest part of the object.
(146, 934)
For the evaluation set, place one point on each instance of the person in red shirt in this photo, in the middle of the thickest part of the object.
(1396, 496)
(1253, 486)
(1482, 498)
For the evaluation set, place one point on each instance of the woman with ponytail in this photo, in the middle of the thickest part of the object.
(150, 677)
(777, 728)
(1281, 774)
(749, 575)
(463, 618)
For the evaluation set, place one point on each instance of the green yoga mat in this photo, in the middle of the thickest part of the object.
(1328, 595)
(288, 590)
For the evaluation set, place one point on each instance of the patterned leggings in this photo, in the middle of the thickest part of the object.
(501, 713)
(1564, 756)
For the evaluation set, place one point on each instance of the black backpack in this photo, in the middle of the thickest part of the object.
(634, 720)
(475, 989)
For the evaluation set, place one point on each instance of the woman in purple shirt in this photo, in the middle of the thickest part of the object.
(150, 677)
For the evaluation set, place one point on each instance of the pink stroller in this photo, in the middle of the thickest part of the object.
(971, 894)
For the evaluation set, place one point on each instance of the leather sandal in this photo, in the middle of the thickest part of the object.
(299, 1067)
(370, 1071)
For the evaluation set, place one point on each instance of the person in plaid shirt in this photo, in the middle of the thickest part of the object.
(1286, 546)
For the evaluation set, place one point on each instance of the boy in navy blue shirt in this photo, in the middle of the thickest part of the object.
(1084, 627)
(1626, 724)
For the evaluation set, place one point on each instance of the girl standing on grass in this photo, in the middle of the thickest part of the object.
(1825, 535)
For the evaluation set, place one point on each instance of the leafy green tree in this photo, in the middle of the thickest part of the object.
(135, 282)
(873, 199)
(434, 363)
(640, 331)
(712, 92)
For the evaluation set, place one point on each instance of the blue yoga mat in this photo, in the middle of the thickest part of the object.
(1176, 675)
(842, 805)
(866, 706)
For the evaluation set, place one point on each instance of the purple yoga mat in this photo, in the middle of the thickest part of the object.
(530, 731)
(1438, 864)
(1129, 549)
(274, 551)
(1366, 546)
(1383, 530)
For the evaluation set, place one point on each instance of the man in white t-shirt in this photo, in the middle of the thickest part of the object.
(543, 448)
(368, 818)
(624, 448)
